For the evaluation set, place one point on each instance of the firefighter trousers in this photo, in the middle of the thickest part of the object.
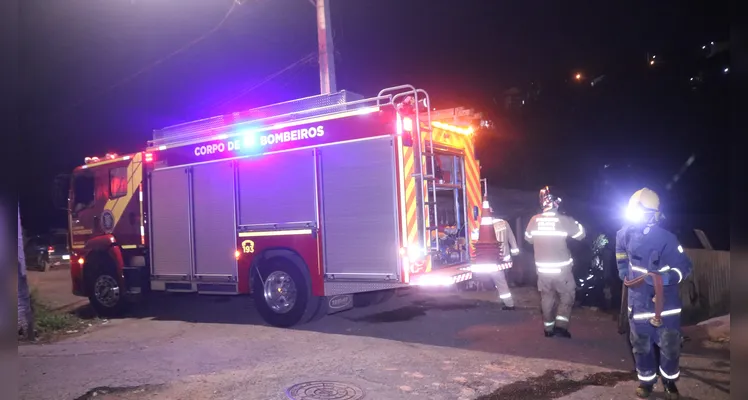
(499, 279)
(647, 340)
(559, 284)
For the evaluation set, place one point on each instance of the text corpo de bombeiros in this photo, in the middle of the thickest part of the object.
(264, 140)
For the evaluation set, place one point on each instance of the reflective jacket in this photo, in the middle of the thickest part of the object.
(548, 232)
(508, 243)
(640, 250)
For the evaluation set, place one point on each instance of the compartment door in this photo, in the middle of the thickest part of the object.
(170, 222)
(359, 201)
(214, 223)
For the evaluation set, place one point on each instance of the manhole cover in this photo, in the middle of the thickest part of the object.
(322, 390)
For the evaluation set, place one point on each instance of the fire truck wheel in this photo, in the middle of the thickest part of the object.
(283, 295)
(104, 291)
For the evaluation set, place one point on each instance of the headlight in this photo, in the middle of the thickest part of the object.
(416, 253)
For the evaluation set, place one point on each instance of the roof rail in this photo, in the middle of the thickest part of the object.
(288, 111)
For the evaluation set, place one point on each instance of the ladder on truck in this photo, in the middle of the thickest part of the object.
(423, 151)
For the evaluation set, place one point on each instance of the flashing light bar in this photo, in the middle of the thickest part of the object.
(456, 129)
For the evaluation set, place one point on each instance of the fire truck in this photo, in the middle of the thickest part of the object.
(310, 206)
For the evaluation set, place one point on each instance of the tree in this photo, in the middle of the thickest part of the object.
(25, 312)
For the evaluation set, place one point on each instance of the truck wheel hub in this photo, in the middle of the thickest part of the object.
(106, 291)
(280, 292)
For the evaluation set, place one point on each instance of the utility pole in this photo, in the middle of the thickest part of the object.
(327, 82)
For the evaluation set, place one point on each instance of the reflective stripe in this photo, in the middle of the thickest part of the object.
(549, 233)
(680, 248)
(640, 269)
(554, 264)
(581, 230)
(484, 267)
(515, 251)
(646, 378)
(505, 296)
(680, 275)
(528, 235)
(621, 256)
(549, 323)
(507, 258)
(666, 376)
(666, 313)
(549, 214)
(562, 318)
(549, 270)
(665, 268)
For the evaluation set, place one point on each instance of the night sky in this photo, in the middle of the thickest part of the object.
(99, 76)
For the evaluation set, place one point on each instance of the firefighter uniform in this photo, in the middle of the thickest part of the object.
(650, 254)
(548, 232)
(509, 248)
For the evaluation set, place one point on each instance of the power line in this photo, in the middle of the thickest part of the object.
(159, 61)
(307, 58)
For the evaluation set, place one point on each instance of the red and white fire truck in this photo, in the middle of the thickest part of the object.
(310, 206)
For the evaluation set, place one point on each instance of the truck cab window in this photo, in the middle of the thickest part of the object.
(117, 182)
(83, 192)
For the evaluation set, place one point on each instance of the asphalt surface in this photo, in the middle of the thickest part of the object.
(420, 345)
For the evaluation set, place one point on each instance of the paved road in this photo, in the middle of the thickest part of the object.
(417, 346)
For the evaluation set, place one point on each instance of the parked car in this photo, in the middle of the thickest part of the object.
(47, 251)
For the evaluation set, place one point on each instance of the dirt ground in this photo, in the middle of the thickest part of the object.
(421, 345)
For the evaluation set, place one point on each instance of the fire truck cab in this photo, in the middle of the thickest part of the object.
(311, 206)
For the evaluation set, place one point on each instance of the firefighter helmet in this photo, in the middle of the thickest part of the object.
(644, 207)
(547, 199)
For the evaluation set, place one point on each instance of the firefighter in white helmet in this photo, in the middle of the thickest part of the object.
(548, 232)
(509, 248)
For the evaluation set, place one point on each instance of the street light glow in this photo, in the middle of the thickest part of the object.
(578, 76)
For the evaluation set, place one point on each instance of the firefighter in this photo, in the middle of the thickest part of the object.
(652, 263)
(509, 248)
(548, 232)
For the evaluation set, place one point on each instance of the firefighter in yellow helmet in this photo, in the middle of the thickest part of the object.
(651, 264)
(548, 232)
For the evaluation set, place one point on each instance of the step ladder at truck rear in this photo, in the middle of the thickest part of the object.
(446, 276)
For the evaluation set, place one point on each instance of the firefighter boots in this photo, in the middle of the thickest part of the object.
(508, 308)
(644, 390)
(671, 391)
(548, 333)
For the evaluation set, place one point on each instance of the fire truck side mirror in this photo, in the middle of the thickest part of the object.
(476, 213)
(60, 190)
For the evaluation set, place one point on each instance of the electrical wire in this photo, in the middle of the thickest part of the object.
(159, 61)
(307, 58)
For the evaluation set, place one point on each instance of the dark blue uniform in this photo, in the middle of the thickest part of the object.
(640, 250)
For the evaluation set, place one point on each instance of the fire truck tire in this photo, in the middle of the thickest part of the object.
(279, 311)
(104, 292)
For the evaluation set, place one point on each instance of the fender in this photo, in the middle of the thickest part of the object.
(289, 254)
(107, 244)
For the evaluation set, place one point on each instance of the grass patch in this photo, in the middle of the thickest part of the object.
(48, 320)
(50, 324)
